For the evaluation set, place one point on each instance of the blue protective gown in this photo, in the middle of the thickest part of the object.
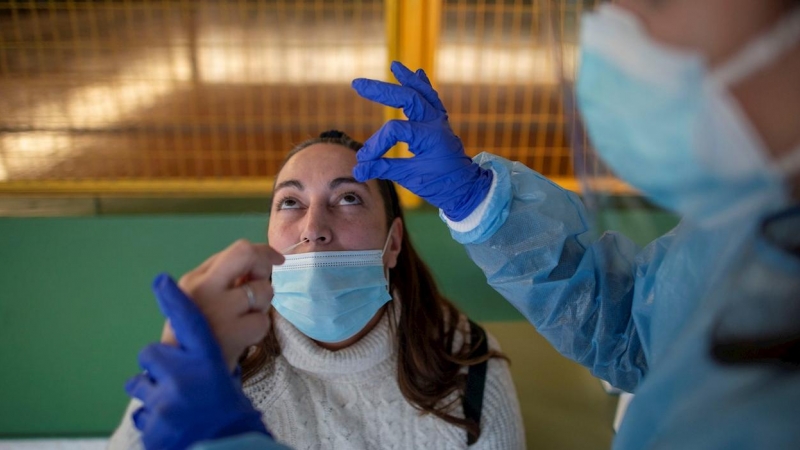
(248, 441)
(641, 318)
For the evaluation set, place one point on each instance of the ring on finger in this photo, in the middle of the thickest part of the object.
(251, 296)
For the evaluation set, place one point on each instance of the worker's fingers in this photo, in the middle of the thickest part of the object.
(387, 136)
(421, 138)
(140, 418)
(156, 360)
(419, 82)
(400, 170)
(140, 386)
(414, 104)
(190, 327)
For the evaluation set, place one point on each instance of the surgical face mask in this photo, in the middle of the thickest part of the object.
(331, 296)
(669, 127)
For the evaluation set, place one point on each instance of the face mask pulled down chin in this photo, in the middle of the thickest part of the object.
(331, 296)
(668, 126)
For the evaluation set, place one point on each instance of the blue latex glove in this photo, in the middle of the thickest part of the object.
(440, 171)
(188, 393)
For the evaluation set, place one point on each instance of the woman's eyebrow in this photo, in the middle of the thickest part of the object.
(336, 182)
(288, 183)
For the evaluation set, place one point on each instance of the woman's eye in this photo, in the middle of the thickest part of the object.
(288, 203)
(350, 199)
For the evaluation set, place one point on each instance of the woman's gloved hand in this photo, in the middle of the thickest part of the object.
(440, 171)
(189, 394)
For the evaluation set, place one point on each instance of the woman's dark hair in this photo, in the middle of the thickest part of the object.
(428, 369)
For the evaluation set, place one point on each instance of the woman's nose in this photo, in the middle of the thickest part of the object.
(317, 229)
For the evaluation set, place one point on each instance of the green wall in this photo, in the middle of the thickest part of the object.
(75, 305)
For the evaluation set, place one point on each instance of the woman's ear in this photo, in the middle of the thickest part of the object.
(395, 243)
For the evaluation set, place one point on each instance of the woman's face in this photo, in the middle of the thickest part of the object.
(317, 199)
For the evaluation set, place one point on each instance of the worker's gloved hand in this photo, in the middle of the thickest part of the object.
(440, 171)
(188, 392)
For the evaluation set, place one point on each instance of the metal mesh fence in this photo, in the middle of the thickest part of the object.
(164, 89)
(148, 90)
(499, 66)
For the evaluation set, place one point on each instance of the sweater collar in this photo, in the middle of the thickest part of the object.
(303, 353)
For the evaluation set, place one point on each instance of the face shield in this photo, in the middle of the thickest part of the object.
(656, 137)
(612, 203)
(662, 120)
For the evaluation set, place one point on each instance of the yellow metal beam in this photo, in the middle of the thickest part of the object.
(604, 185)
(139, 188)
(412, 28)
(216, 188)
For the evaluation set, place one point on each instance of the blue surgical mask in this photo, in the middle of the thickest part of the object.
(331, 296)
(669, 126)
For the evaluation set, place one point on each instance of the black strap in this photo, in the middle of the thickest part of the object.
(780, 351)
(476, 379)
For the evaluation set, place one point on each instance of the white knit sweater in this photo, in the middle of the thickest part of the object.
(313, 398)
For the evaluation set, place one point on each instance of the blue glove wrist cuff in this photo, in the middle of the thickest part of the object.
(480, 182)
(498, 205)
